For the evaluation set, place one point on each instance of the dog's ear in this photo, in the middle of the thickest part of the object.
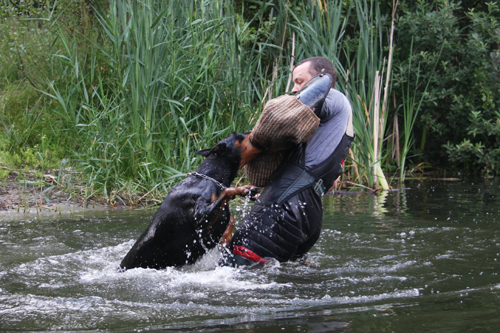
(207, 152)
(204, 152)
(221, 146)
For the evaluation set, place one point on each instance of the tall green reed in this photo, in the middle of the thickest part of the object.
(156, 80)
(321, 31)
(160, 82)
(317, 28)
(411, 108)
(364, 86)
(364, 80)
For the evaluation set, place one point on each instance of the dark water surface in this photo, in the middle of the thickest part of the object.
(424, 259)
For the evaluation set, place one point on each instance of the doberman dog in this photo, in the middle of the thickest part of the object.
(195, 215)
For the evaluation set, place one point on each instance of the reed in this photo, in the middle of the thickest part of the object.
(363, 84)
(318, 29)
(411, 107)
(133, 96)
(159, 83)
(168, 80)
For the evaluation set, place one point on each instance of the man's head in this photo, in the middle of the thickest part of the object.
(309, 68)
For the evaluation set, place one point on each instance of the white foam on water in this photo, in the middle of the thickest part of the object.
(355, 267)
(81, 309)
(371, 279)
(91, 312)
(300, 302)
(101, 267)
(86, 290)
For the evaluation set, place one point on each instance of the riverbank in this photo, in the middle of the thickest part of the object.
(63, 190)
(32, 192)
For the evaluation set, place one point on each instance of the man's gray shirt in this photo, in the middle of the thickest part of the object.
(335, 116)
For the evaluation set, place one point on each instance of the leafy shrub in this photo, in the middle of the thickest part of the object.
(464, 93)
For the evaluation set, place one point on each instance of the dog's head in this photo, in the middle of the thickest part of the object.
(235, 148)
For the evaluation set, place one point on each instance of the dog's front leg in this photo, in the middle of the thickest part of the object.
(230, 192)
(228, 233)
(210, 213)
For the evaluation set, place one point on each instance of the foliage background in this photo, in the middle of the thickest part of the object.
(126, 91)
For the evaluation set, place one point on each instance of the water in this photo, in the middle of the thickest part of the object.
(422, 259)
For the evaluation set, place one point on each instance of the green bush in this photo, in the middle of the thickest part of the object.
(465, 83)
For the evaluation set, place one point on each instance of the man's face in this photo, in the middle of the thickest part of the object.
(300, 76)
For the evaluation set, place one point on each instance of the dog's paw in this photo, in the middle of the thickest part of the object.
(251, 190)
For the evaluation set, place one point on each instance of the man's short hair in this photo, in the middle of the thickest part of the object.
(318, 64)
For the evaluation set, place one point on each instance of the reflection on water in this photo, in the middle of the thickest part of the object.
(420, 259)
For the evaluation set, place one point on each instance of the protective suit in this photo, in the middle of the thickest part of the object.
(285, 221)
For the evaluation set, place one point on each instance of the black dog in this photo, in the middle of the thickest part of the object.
(195, 214)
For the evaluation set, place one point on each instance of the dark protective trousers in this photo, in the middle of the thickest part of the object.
(285, 222)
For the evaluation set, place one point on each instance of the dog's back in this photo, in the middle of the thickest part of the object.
(173, 237)
(190, 220)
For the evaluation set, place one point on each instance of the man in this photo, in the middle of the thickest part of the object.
(285, 221)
